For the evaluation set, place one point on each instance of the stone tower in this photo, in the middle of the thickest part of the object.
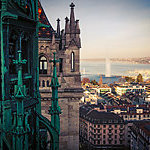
(66, 43)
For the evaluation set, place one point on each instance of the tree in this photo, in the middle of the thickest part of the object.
(139, 78)
(85, 80)
(94, 82)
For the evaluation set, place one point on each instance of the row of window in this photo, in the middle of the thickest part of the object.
(104, 142)
(135, 116)
(44, 83)
(43, 64)
(104, 131)
(104, 126)
(110, 136)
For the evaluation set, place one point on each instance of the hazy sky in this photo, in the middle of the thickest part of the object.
(114, 28)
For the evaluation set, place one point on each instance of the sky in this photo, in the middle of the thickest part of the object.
(109, 28)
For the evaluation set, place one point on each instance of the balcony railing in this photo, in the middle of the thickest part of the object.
(110, 128)
(121, 139)
(121, 128)
(110, 133)
(121, 133)
(110, 139)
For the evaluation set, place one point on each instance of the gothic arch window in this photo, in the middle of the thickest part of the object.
(47, 83)
(43, 65)
(72, 62)
(43, 83)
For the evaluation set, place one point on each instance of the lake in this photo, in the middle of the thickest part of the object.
(93, 70)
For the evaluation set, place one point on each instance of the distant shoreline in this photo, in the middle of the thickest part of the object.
(145, 60)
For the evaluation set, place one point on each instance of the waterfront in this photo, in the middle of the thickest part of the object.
(93, 70)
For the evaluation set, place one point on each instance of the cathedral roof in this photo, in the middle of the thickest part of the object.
(44, 32)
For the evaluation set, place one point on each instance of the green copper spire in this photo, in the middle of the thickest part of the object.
(55, 108)
(19, 94)
(20, 89)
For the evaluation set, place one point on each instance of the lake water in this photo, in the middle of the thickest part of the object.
(93, 70)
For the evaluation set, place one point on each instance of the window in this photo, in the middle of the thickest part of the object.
(115, 136)
(104, 126)
(104, 131)
(72, 62)
(115, 126)
(60, 65)
(47, 83)
(115, 142)
(43, 83)
(43, 65)
(115, 131)
(104, 142)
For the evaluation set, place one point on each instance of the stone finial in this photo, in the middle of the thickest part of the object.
(72, 5)
(77, 27)
(67, 28)
(58, 27)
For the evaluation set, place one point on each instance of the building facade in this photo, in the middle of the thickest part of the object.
(122, 89)
(140, 135)
(131, 112)
(66, 43)
(101, 130)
